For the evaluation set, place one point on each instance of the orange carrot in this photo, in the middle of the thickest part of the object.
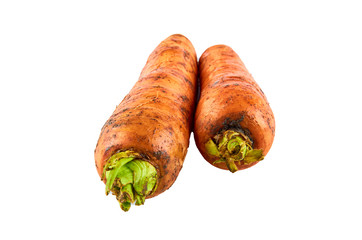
(234, 124)
(142, 146)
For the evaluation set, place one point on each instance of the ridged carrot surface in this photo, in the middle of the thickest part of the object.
(152, 124)
(234, 124)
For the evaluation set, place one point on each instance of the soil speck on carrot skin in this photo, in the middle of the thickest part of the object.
(161, 154)
(124, 110)
(188, 82)
(229, 99)
(269, 125)
(215, 83)
(185, 98)
(110, 121)
(107, 149)
(170, 130)
(181, 63)
(229, 123)
(184, 110)
(167, 83)
(186, 55)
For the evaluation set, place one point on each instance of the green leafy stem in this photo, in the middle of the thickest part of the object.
(129, 178)
(233, 146)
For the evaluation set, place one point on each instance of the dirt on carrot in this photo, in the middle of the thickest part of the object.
(142, 146)
(234, 125)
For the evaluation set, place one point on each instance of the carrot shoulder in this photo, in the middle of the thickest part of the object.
(234, 124)
(142, 146)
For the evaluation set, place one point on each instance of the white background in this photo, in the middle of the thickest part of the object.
(65, 65)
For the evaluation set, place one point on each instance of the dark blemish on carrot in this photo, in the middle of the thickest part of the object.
(114, 135)
(189, 82)
(215, 83)
(110, 121)
(123, 110)
(184, 110)
(175, 40)
(107, 149)
(127, 97)
(169, 129)
(161, 154)
(230, 124)
(186, 55)
(185, 99)
(182, 64)
(157, 75)
(144, 156)
(270, 127)
(229, 99)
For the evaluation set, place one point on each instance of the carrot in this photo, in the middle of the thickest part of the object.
(234, 124)
(142, 146)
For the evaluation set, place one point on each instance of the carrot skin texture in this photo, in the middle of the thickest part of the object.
(230, 99)
(155, 118)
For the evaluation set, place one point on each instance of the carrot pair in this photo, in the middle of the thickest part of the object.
(142, 146)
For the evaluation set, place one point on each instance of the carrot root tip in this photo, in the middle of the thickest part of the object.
(130, 178)
(232, 146)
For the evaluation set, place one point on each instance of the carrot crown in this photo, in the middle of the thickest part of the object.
(233, 146)
(130, 178)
